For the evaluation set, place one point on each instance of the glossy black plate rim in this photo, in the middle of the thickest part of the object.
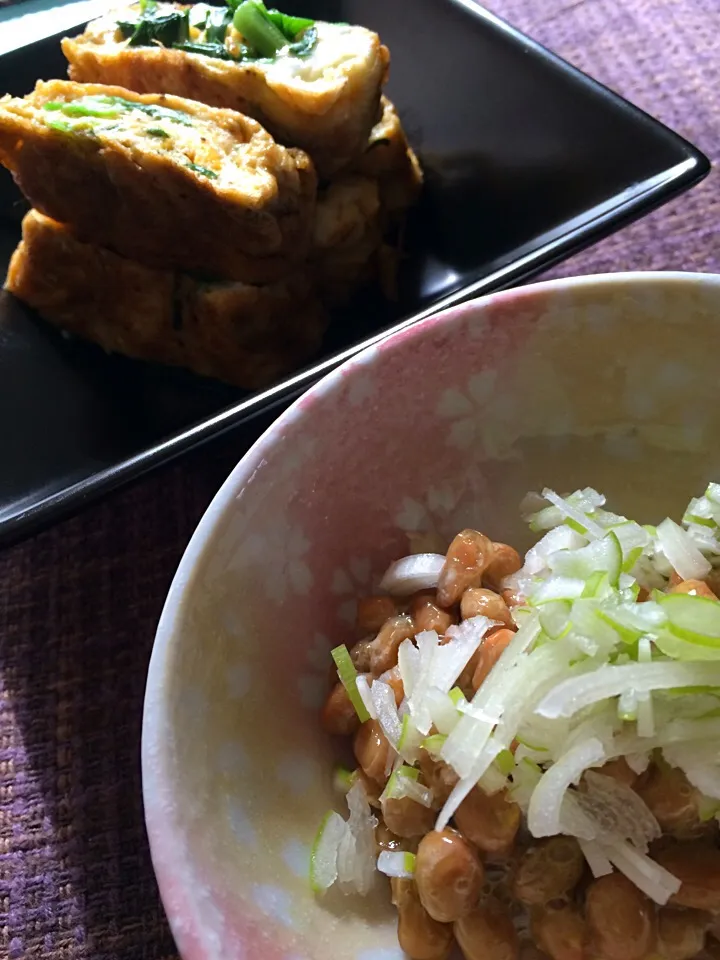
(639, 200)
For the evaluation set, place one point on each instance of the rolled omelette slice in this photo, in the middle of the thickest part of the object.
(324, 101)
(346, 238)
(245, 335)
(389, 159)
(356, 211)
(161, 180)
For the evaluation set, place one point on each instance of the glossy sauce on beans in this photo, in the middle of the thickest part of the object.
(488, 933)
(490, 822)
(465, 562)
(620, 919)
(697, 866)
(548, 870)
(421, 937)
(371, 750)
(449, 875)
(560, 932)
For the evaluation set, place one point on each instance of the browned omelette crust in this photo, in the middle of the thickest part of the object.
(389, 159)
(347, 237)
(329, 120)
(248, 336)
(360, 215)
(148, 207)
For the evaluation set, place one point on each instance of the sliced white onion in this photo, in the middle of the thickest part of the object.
(439, 665)
(701, 511)
(546, 801)
(645, 711)
(599, 864)
(343, 779)
(633, 620)
(705, 539)
(556, 588)
(574, 513)
(533, 677)
(394, 762)
(466, 743)
(646, 573)
(603, 555)
(396, 863)
(461, 642)
(573, 695)
(410, 737)
(574, 821)
(704, 729)
(633, 540)
(363, 688)
(520, 585)
(420, 571)
(464, 786)
(404, 783)
(444, 713)
(682, 732)
(681, 552)
(383, 700)
(494, 690)
(420, 794)
(618, 810)
(408, 665)
(356, 853)
(546, 517)
(324, 856)
(559, 538)
(427, 644)
(407, 787)
(654, 880)
(477, 713)
(526, 777)
(586, 621)
(713, 493)
(600, 725)
(700, 762)
(492, 781)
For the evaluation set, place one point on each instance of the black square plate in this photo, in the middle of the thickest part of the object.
(527, 160)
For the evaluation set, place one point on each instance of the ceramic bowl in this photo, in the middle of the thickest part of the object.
(607, 381)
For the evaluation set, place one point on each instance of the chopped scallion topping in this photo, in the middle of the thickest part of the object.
(348, 677)
(252, 21)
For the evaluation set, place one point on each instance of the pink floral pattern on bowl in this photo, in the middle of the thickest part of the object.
(609, 381)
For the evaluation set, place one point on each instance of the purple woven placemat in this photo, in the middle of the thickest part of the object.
(79, 604)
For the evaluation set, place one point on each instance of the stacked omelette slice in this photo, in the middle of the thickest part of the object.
(204, 209)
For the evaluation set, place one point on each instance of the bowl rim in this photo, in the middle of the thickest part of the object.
(157, 792)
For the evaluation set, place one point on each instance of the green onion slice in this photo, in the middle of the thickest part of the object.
(348, 677)
(324, 853)
(505, 762)
(434, 744)
(252, 21)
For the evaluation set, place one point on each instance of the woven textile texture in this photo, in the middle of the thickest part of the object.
(79, 603)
